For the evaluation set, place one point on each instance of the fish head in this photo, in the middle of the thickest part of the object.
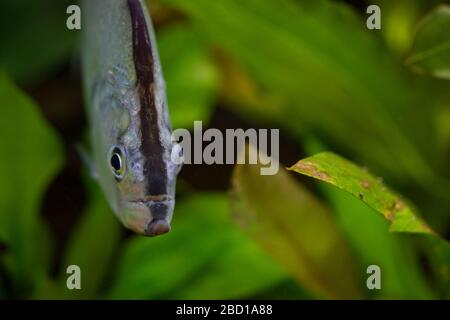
(145, 185)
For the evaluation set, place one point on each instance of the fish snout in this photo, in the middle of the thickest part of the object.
(157, 227)
(161, 212)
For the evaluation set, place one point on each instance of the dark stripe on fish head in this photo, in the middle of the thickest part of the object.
(152, 148)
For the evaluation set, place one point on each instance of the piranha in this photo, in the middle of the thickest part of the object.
(132, 148)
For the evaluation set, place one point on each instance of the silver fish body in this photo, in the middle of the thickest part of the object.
(128, 114)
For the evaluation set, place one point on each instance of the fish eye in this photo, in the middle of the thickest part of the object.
(116, 161)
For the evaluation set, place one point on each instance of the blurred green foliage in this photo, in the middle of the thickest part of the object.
(92, 246)
(191, 73)
(291, 47)
(34, 157)
(310, 68)
(431, 50)
(35, 41)
(205, 240)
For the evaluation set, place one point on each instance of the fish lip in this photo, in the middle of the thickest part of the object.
(157, 227)
(152, 199)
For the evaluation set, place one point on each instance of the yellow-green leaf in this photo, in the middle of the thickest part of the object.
(333, 169)
(296, 229)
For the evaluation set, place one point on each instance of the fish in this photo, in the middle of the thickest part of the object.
(134, 157)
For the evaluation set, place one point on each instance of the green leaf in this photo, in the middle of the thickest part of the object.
(394, 253)
(47, 288)
(367, 233)
(286, 290)
(431, 50)
(241, 270)
(439, 252)
(34, 39)
(191, 75)
(296, 229)
(92, 246)
(398, 20)
(32, 157)
(333, 169)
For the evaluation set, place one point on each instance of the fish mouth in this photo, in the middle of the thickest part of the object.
(157, 227)
(153, 198)
(160, 208)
